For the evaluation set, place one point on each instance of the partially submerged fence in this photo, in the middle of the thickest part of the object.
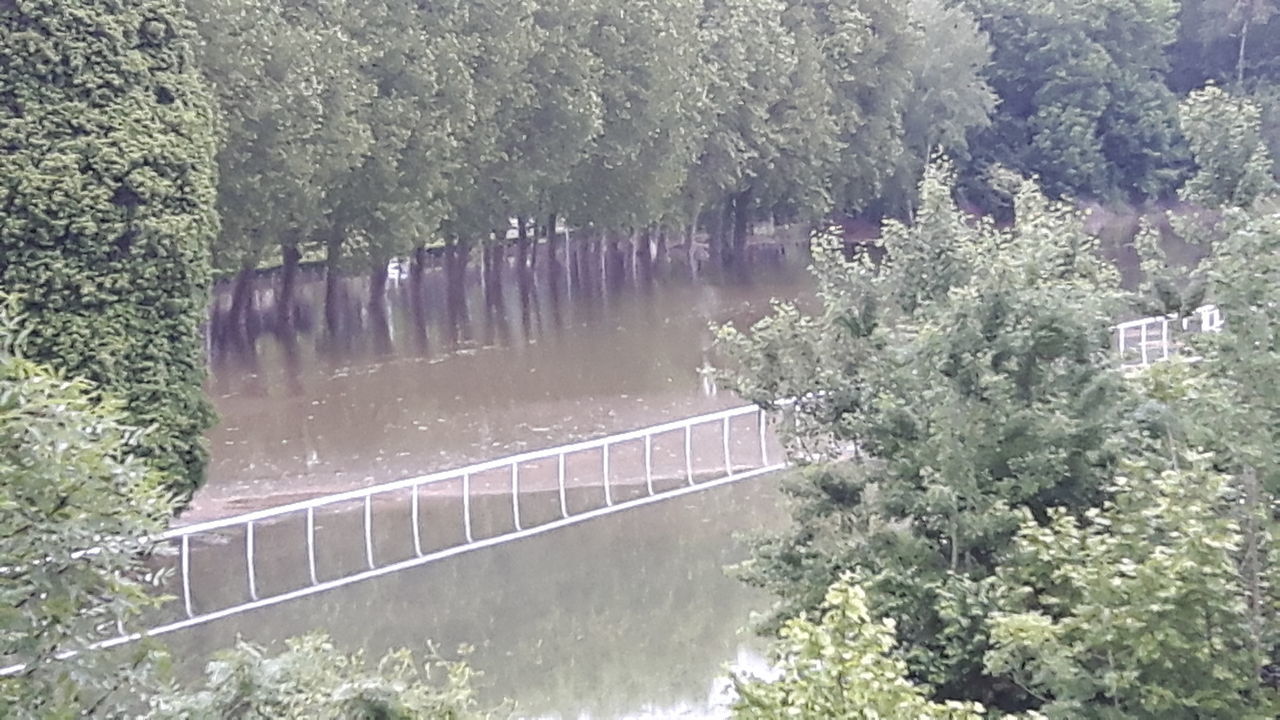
(271, 556)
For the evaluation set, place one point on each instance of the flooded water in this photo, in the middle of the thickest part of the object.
(622, 616)
(468, 370)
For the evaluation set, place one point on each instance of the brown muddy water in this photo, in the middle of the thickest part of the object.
(624, 616)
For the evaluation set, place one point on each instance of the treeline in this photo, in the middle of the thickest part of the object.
(367, 131)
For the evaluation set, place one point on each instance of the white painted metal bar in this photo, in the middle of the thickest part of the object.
(564, 501)
(688, 453)
(311, 544)
(466, 507)
(648, 462)
(728, 458)
(515, 495)
(763, 420)
(248, 559)
(417, 524)
(608, 494)
(1164, 337)
(186, 574)
(1142, 343)
(368, 530)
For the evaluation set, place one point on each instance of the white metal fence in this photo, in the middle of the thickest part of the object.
(538, 490)
(1154, 339)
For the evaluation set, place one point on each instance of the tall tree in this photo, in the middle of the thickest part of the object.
(289, 90)
(1234, 165)
(108, 185)
(950, 96)
(934, 403)
(1082, 101)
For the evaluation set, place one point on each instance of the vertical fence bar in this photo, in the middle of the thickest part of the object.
(1164, 337)
(688, 453)
(728, 460)
(564, 501)
(248, 558)
(1122, 331)
(515, 495)
(764, 447)
(1143, 343)
(608, 496)
(417, 524)
(186, 574)
(648, 462)
(369, 531)
(466, 507)
(311, 544)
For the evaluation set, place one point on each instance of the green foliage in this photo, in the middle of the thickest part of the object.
(950, 96)
(841, 667)
(1233, 161)
(107, 185)
(1082, 102)
(291, 95)
(1137, 609)
(312, 680)
(68, 483)
(967, 383)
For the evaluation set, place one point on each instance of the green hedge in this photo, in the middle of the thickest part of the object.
(107, 182)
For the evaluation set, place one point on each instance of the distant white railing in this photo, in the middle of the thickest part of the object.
(1148, 340)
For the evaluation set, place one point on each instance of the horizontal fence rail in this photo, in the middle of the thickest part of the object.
(516, 497)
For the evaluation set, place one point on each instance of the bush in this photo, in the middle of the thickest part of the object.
(67, 484)
(107, 189)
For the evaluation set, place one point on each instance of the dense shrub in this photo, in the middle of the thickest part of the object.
(107, 206)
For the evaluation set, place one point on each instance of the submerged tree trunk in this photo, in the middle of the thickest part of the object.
(378, 276)
(333, 281)
(553, 238)
(241, 299)
(289, 260)
(741, 223)
(522, 243)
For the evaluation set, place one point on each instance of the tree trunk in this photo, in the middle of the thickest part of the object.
(661, 254)
(553, 238)
(378, 275)
(725, 242)
(715, 234)
(522, 243)
(333, 281)
(289, 259)
(1244, 41)
(741, 223)
(241, 299)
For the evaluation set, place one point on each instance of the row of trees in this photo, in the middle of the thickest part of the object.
(993, 518)
(374, 131)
